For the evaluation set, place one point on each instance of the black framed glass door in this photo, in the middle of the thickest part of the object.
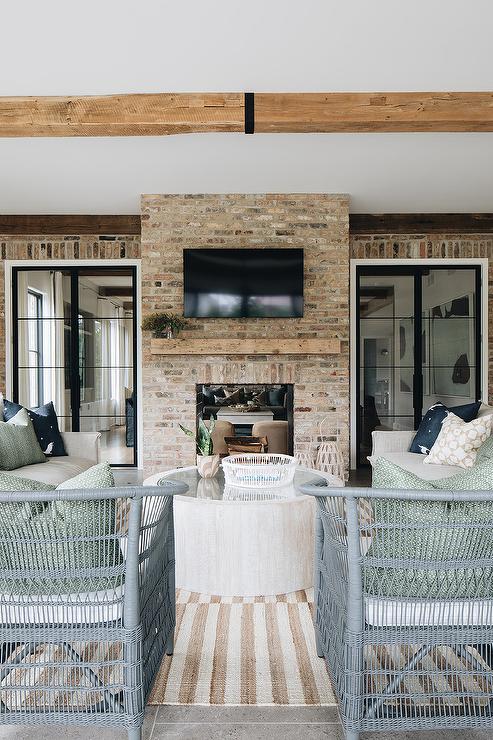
(418, 341)
(74, 343)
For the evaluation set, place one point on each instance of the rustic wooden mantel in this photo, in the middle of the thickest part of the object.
(251, 346)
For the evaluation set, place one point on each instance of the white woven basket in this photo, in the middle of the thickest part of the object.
(259, 470)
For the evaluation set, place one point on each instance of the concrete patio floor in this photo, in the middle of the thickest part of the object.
(233, 723)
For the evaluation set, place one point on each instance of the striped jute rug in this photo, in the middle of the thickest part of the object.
(232, 651)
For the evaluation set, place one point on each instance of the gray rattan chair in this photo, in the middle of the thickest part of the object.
(404, 607)
(87, 604)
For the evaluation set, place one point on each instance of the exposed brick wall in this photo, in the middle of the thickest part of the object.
(316, 222)
(433, 246)
(55, 247)
(319, 223)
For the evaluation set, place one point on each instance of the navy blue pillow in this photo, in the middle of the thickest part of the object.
(276, 396)
(430, 427)
(45, 425)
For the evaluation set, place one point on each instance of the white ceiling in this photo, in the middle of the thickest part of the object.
(110, 46)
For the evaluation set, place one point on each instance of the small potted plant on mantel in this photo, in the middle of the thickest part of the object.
(164, 325)
(207, 462)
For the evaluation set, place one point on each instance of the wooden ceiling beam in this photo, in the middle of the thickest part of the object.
(121, 115)
(119, 225)
(420, 223)
(177, 113)
(373, 112)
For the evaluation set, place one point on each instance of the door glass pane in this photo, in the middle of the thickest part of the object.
(104, 355)
(386, 356)
(105, 316)
(116, 437)
(448, 347)
(53, 390)
(449, 337)
(43, 340)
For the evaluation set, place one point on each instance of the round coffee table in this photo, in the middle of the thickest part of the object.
(232, 541)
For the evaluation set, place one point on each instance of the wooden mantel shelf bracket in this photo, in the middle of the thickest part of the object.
(260, 346)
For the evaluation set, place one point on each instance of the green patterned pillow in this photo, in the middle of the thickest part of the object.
(485, 452)
(99, 476)
(70, 535)
(11, 511)
(18, 443)
(9, 482)
(425, 531)
(387, 474)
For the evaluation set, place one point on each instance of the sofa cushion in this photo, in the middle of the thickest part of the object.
(45, 424)
(18, 443)
(208, 394)
(431, 425)
(276, 396)
(262, 398)
(427, 531)
(21, 511)
(388, 474)
(485, 452)
(229, 399)
(55, 470)
(69, 534)
(459, 441)
(97, 476)
(414, 463)
(11, 482)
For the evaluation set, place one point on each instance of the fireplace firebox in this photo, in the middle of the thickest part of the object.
(243, 405)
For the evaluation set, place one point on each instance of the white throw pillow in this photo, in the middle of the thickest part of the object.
(459, 441)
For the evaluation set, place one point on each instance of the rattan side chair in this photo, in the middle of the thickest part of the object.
(87, 604)
(404, 607)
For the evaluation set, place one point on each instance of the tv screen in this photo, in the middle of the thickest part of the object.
(238, 283)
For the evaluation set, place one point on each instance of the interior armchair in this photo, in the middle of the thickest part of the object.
(404, 607)
(87, 606)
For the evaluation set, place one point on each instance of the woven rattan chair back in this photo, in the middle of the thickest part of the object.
(404, 607)
(87, 604)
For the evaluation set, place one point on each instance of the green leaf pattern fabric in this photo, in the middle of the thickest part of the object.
(430, 533)
(70, 538)
(18, 443)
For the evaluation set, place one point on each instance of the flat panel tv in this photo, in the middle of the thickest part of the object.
(243, 283)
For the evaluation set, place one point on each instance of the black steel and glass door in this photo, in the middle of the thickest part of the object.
(418, 341)
(74, 343)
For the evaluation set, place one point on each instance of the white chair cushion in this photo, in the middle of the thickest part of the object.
(83, 608)
(410, 613)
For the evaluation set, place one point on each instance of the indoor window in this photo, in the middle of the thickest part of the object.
(35, 347)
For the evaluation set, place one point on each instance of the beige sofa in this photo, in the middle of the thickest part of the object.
(394, 446)
(83, 451)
